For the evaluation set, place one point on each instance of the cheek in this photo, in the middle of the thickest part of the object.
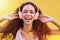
(23, 16)
(33, 16)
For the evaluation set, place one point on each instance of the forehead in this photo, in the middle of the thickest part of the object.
(28, 7)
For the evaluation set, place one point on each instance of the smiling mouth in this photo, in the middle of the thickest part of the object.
(28, 19)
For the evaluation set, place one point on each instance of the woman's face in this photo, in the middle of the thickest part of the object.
(28, 14)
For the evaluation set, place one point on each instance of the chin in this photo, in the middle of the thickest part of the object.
(28, 22)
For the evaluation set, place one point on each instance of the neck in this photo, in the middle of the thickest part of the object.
(27, 28)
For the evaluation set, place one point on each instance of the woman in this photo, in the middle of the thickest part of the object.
(29, 27)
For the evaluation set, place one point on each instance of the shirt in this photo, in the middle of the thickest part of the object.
(20, 37)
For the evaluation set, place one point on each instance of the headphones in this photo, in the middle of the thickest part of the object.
(36, 15)
(20, 14)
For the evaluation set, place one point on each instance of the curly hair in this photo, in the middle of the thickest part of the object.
(40, 28)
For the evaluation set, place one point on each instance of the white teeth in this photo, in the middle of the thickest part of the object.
(28, 18)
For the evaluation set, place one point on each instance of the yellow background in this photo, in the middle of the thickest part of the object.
(49, 7)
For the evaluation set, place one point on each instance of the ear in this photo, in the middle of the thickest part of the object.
(36, 16)
(20, 14)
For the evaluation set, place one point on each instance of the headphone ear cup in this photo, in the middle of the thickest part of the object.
(36, 16)
(20, 15)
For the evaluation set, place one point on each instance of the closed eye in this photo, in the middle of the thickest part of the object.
(31, 12)
(24, 11)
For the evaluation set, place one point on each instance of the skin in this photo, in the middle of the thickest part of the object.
(28, 12)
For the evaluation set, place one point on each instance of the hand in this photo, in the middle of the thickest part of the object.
(10, 16)
(45, 18)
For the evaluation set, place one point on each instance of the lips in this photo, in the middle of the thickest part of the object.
(28, 19)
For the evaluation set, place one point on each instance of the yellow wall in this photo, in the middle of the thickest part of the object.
(49, 7)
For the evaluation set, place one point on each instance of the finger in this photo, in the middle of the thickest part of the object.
(41, 16)
(16, 14)
(12, 15)
(15, 17)
(41, 19)
(12, 18)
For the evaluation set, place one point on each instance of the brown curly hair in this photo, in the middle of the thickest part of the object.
(40, 28)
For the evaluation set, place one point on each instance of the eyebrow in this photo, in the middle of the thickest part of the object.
(31, 10)
(26, 10)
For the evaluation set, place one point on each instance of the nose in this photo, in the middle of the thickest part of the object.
(28, 13)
